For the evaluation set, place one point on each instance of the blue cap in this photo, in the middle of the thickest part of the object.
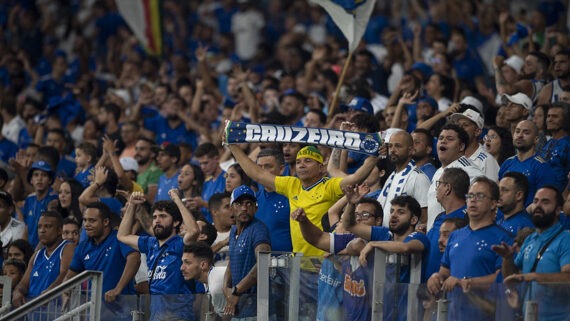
(42, 166)
(424, 68)
(242, 191)
(359, 104)
(430, 101)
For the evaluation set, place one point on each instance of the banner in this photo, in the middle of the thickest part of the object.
(365, 143)
(144, 19)
(350, 16)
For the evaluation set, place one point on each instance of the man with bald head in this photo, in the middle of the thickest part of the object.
(406, 179)
(526, 160)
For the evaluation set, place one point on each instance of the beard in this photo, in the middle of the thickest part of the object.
(162, 232)
(399, 230)
(506, 208)
(543, 221)
(524, 148)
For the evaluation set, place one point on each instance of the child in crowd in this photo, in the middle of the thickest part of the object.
(85, 158)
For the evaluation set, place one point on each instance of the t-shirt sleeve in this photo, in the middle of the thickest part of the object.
(77, 260)
(420, 237)
(380, 233)
(261, 235)
(152, 123)
(125, 249)
(333, 188)
(143, 244)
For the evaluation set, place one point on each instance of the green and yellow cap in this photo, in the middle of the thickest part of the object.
(310, 152)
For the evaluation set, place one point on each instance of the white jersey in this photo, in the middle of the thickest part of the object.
(410, 181)
(434, 208)
(486, 162)
(13, 231)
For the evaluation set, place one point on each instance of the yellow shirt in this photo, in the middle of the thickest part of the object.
(137, 188)
(315, 200)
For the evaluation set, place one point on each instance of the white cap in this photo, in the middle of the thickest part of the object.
(519, 99)
(123, 94)
(472, 101)
(469, 114)
(129, 164)
(515, 62)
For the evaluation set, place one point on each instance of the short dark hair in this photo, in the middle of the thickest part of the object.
(55, 215)
(409, 202)
(112, 181)
(270, 152)
(206, 149)
(215, 200)
(71, 220)
(89, 149)
(542, 58)
(426, 133)
(104, 210)
(565, 114)
(168, 207)
(113, 109)
(211, 233)
(200, 250)
(521, 182)
(491, 184)
(365, 121)
(19, 264)
(378, 211)
(461, 133)
(320, 113)
(458, 180)
(457, 222)
(559, 197)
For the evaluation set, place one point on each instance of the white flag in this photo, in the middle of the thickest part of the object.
(350, 16)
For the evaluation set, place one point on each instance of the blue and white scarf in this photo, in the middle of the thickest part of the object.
(366, 143)
(399, 184)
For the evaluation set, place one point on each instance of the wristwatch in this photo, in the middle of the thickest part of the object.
(234, 291)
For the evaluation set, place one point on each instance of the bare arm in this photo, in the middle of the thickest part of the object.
(406, 99)
(361, 173)
(124, 233)
(19, 294)
(251, 168)
(109, 149)
(131, 268)
(399, 247)
(251, 278)
(312, 234)
(192, 228)
(428, 124)
(88, 195)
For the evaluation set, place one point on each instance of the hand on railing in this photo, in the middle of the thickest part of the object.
(18, 298)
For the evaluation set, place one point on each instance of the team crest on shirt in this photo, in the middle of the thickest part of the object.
(86, 257)
(159, 274)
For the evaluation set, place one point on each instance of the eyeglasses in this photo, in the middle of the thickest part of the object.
(489, 138)
(363, 215)
(437, 183)
(247, 204)
(476, 196)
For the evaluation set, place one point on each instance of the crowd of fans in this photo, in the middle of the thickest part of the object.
(111, 157)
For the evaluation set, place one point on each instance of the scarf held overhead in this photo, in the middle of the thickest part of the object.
(366, 143)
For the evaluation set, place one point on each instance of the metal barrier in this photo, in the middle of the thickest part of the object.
(84, 291)
(6, 283)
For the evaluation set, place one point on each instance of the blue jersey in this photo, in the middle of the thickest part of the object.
(468, 68)
(330, 291)
(32, 210)
(45, 270)
(533, 168)
(83, 176)
(273, 210)
(66, 167)
(556, 256)
(164, 133)
(165, 184)
(516, 222)
(105, 257)
(380, 233)
(468, 252)
(434, 258)
(557, 153)
(165, 262)
(212, 186)
(7, 150)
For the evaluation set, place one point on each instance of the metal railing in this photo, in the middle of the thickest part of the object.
(6, 283)
(84, 292)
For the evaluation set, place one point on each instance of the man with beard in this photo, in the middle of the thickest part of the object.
(292, 107)
(526, 161)
(532, 75)
(164, 253)
(551, 92)
(557, 150)
(148, 172)
(468, 261)
(544, 258)
(102, 251)
(171, 128)
(512, 215)
(451, 189)
(423, 146)
(451, 145)
(402, 240)
(406, 179)
(247, 238)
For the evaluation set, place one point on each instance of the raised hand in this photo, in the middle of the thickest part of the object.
(137, 198)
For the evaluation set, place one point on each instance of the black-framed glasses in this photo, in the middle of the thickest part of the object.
(438, 183)
(363, 215)
(476, 196)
